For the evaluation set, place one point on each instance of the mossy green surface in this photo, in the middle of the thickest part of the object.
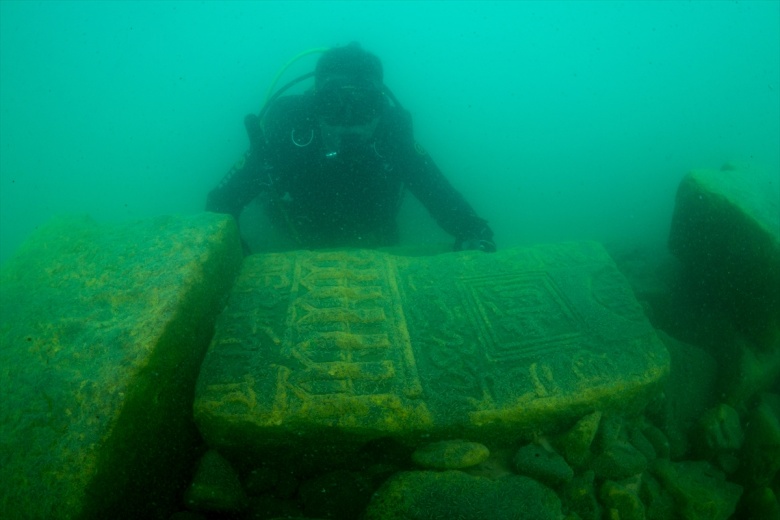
(450, 455)
(699, 490)
(548, 467)
(452, 494)
(215, 487)
(726, 231)
(760, 454)
(347, 346)
(621, 499)
(103, 329)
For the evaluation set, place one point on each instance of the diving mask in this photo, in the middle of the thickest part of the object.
(348, 103)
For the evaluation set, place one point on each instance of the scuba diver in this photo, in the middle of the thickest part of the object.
(336, 160)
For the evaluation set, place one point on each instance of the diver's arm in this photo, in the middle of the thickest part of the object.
(446, 205)
(245, 180)
(237, 188)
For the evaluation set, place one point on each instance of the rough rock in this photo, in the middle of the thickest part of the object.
(760, 455)
(638, 439)
(719, 436)
(348, 346)
(546, 466)
(103, 330)
(498, 465)
(618, 461)
(750, 372)
(699, 490)
(612, 429)
(579, 496)
(576, 443)
(689, 391)
(454, 494)
(621, 499)
(659, 503)
(216, 486)
(658, 440)
(726, 232)
(760, 503)
(450, 455)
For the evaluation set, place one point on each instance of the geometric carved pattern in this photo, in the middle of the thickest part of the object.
(520, 316)
(345, 331)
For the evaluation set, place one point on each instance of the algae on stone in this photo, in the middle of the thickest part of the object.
(215, 487)
(103, 330)
(348, 346)
(453, 494)
(760, 454)
(698, 489)
(548, 467)
(452, 454)
(726, 231)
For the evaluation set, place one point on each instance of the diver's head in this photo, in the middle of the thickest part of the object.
(348, 87)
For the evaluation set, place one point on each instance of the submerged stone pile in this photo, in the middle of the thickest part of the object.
(530, 383)
(726, 300)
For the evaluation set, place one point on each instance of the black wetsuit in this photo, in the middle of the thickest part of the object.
(350, 198)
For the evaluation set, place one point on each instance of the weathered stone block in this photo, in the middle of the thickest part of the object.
(575, 444)
(450, 455)
(103, 330)
(621, 499)
(353, 345)
(417, 495)
(699, 490)
(548, 467)
(618, 461)
(760, 456)
(691, 388)
(726, 231)
(216, 486)
(579, 496)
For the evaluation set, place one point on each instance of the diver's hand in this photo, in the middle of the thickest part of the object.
(476, 244)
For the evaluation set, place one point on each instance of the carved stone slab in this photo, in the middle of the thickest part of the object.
(353, 345)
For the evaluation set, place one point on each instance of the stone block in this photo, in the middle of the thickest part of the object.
(698, 489)
(619, 460)
(347, 346)
(621, 499)
(579, 497)
(420, 495)
(575, 444)
(719, 434)
(215, 487)
(692, 387)
(726, 231)
(548, 467)
(103, 331)
(450, 455)
(748, 373)
(760, 455)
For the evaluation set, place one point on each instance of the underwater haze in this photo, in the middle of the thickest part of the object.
(556, 120)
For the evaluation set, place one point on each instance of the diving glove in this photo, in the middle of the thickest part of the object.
(476, 244)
